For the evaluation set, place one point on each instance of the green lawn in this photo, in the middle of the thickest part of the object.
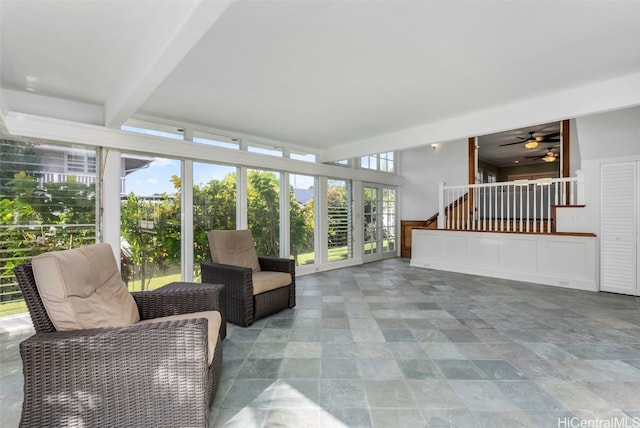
(156, 282)
(13, 307)
(335, 254)
(19, 306)
(340, 253)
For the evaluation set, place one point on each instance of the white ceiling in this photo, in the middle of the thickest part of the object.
(322, 74)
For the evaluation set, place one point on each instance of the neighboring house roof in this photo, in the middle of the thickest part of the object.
(133, 163)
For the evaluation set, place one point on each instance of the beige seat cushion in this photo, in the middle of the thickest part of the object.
(82, 288)
(233, 247)
(267, 281)
(214, 321)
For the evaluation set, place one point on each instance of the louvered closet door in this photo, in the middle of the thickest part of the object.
(619, 228)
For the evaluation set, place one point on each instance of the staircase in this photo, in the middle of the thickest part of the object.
(523, 206)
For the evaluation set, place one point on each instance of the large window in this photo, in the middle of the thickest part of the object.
(215, 140)
(48, 202)
(151, 128)
(81, 162)
(369, 162)
(151, 224)
(265, 150)
(387, 163)
(263, 213)
(306, 157)
(380, 161)
(214, 206)
(339, 236)
(343, 162)
(302, 218)
(42, 208)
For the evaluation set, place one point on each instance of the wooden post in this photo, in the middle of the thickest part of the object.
(441, 218)
(473, 169)
(565, 170)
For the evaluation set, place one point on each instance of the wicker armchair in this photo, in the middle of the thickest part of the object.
(257, 286)
(158, 374)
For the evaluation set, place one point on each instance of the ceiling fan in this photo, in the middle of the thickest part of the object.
(549, 155)
(532, 142)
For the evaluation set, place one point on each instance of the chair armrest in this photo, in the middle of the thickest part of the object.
(277, 264)
(183, 298)
(153, 374)
(239, 286)
(179, 298)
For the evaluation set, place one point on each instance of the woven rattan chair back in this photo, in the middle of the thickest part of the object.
(27, 283)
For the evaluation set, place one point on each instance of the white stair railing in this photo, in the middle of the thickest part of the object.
(515, 206)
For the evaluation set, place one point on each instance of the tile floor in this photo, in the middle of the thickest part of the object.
(388, 345)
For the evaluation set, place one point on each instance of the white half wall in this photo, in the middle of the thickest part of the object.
(423, 168)
(557, 260)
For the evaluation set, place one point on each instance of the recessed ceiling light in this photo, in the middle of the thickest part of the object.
(517, 161)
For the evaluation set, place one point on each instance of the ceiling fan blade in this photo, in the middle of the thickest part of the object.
(549, 140)
(535, 157)
(511, 144)
(552, 135)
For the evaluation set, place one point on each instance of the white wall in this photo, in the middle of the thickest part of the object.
(423, 168)
(574, 150)
(603, 138)
(609, 135)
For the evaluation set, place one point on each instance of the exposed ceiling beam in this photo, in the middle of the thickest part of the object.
(158, 58)
(58, 108)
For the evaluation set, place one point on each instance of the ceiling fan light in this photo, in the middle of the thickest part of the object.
(531, 144)
(549, 158)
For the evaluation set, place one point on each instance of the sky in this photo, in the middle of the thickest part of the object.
(156, 178)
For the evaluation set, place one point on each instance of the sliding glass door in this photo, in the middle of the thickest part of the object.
(379, 220)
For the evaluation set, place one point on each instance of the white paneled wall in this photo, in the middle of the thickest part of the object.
(557, 260)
